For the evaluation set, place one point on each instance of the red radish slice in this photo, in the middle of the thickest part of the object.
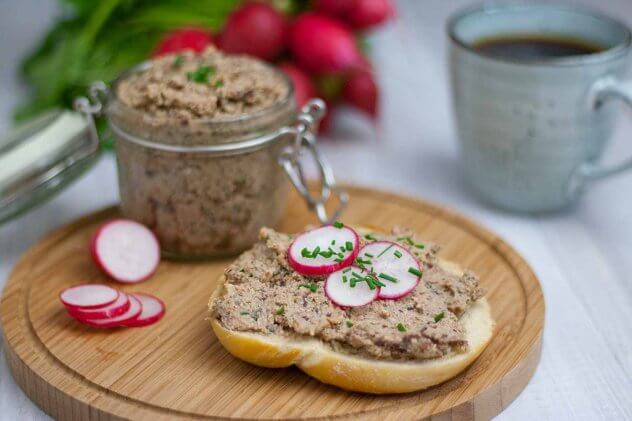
(118, 307)
(125, 250)
(88, 296)
(132, 313)
(391, 260)
(341, 292)
(319, 243)
(153, 310)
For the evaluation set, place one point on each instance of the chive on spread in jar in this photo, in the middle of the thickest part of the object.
(197, 143)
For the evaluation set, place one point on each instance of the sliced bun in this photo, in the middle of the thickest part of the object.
(352, 372)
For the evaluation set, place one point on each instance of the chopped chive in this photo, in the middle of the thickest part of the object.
(280, 311)
(244, 313)
(346, 270)
(305, 253)
(397, 253)
(362, 261)
(338, 224)
(370, 237)
(401, 327)
(387, 277)
(439, 316)
(420, 246)
(385, 250)
(406, 239)
(201, 74)
(368, 254)
(177, 63)
(414, 271)
(333, 242)
(312, 287)
(344, 278)
(349, 245)
(353, 282)
(339, 260)
(326, 254)
(316, 251)
(343, 249)
(356, 275)
(349, 323)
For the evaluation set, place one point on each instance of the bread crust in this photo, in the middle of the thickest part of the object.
(352, 372)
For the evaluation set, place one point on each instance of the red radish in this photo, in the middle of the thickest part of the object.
(88, 296)
(339, 289)
(361, 91)
(125, 250)
(153, 310)
(118, 307)
(394, 266)
(303, 87)
(324, 250)
(323, 45)
(364, 14)
(132, 313)
(257, 29)
(195, 39)
(335, 8)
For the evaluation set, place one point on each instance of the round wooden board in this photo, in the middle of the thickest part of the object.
(176, 369)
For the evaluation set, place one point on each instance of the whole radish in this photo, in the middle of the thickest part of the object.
(361, 92)
(321, 44)
(364, 14)
(195, 39)
(335, 8)
(303, 86)
(257, 29)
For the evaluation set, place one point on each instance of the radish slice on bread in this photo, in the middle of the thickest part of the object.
(118, 307)
(88, 296)
(132, 313)
(125, 250)
(393, 265)
(350, 287)
(153, 310)
(324, 250)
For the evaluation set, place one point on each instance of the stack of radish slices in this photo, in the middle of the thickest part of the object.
(356, 276)
(102, 306)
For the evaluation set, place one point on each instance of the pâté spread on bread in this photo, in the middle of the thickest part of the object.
(376, 296)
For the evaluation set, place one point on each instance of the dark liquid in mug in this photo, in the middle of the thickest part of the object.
(535, 47)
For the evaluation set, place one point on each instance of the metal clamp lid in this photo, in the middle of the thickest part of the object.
(305, 141)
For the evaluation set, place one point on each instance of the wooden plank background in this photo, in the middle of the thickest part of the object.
(581, 257)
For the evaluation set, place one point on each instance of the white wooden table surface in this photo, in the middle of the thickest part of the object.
(583, 258)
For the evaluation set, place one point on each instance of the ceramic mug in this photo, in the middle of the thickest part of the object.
(532, 131)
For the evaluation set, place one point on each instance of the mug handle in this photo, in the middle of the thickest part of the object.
(603, 90)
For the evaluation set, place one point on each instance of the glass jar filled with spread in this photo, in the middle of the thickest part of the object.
(207, 147)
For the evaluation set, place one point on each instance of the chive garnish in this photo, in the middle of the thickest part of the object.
(356, 275)
(177, 63)
(326, 254)
(333, 242)
(201, 74)
(397, 253)
(344, 279)
(349, 245)
(316, 251)
(368, 254)
(370, 237)
(385, 250)
(244, 313)
(349, 323)
(280, 311)
(439, 316)
(401, 327)
(387, 277)
(362, 261)
(407, 240)
(312, 287)
(419, 246)
(338, 224)
(306, 253)
(339, 260)
(414, 271)
(346, 270)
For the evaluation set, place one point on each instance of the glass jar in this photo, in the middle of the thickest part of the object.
(207, 186)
